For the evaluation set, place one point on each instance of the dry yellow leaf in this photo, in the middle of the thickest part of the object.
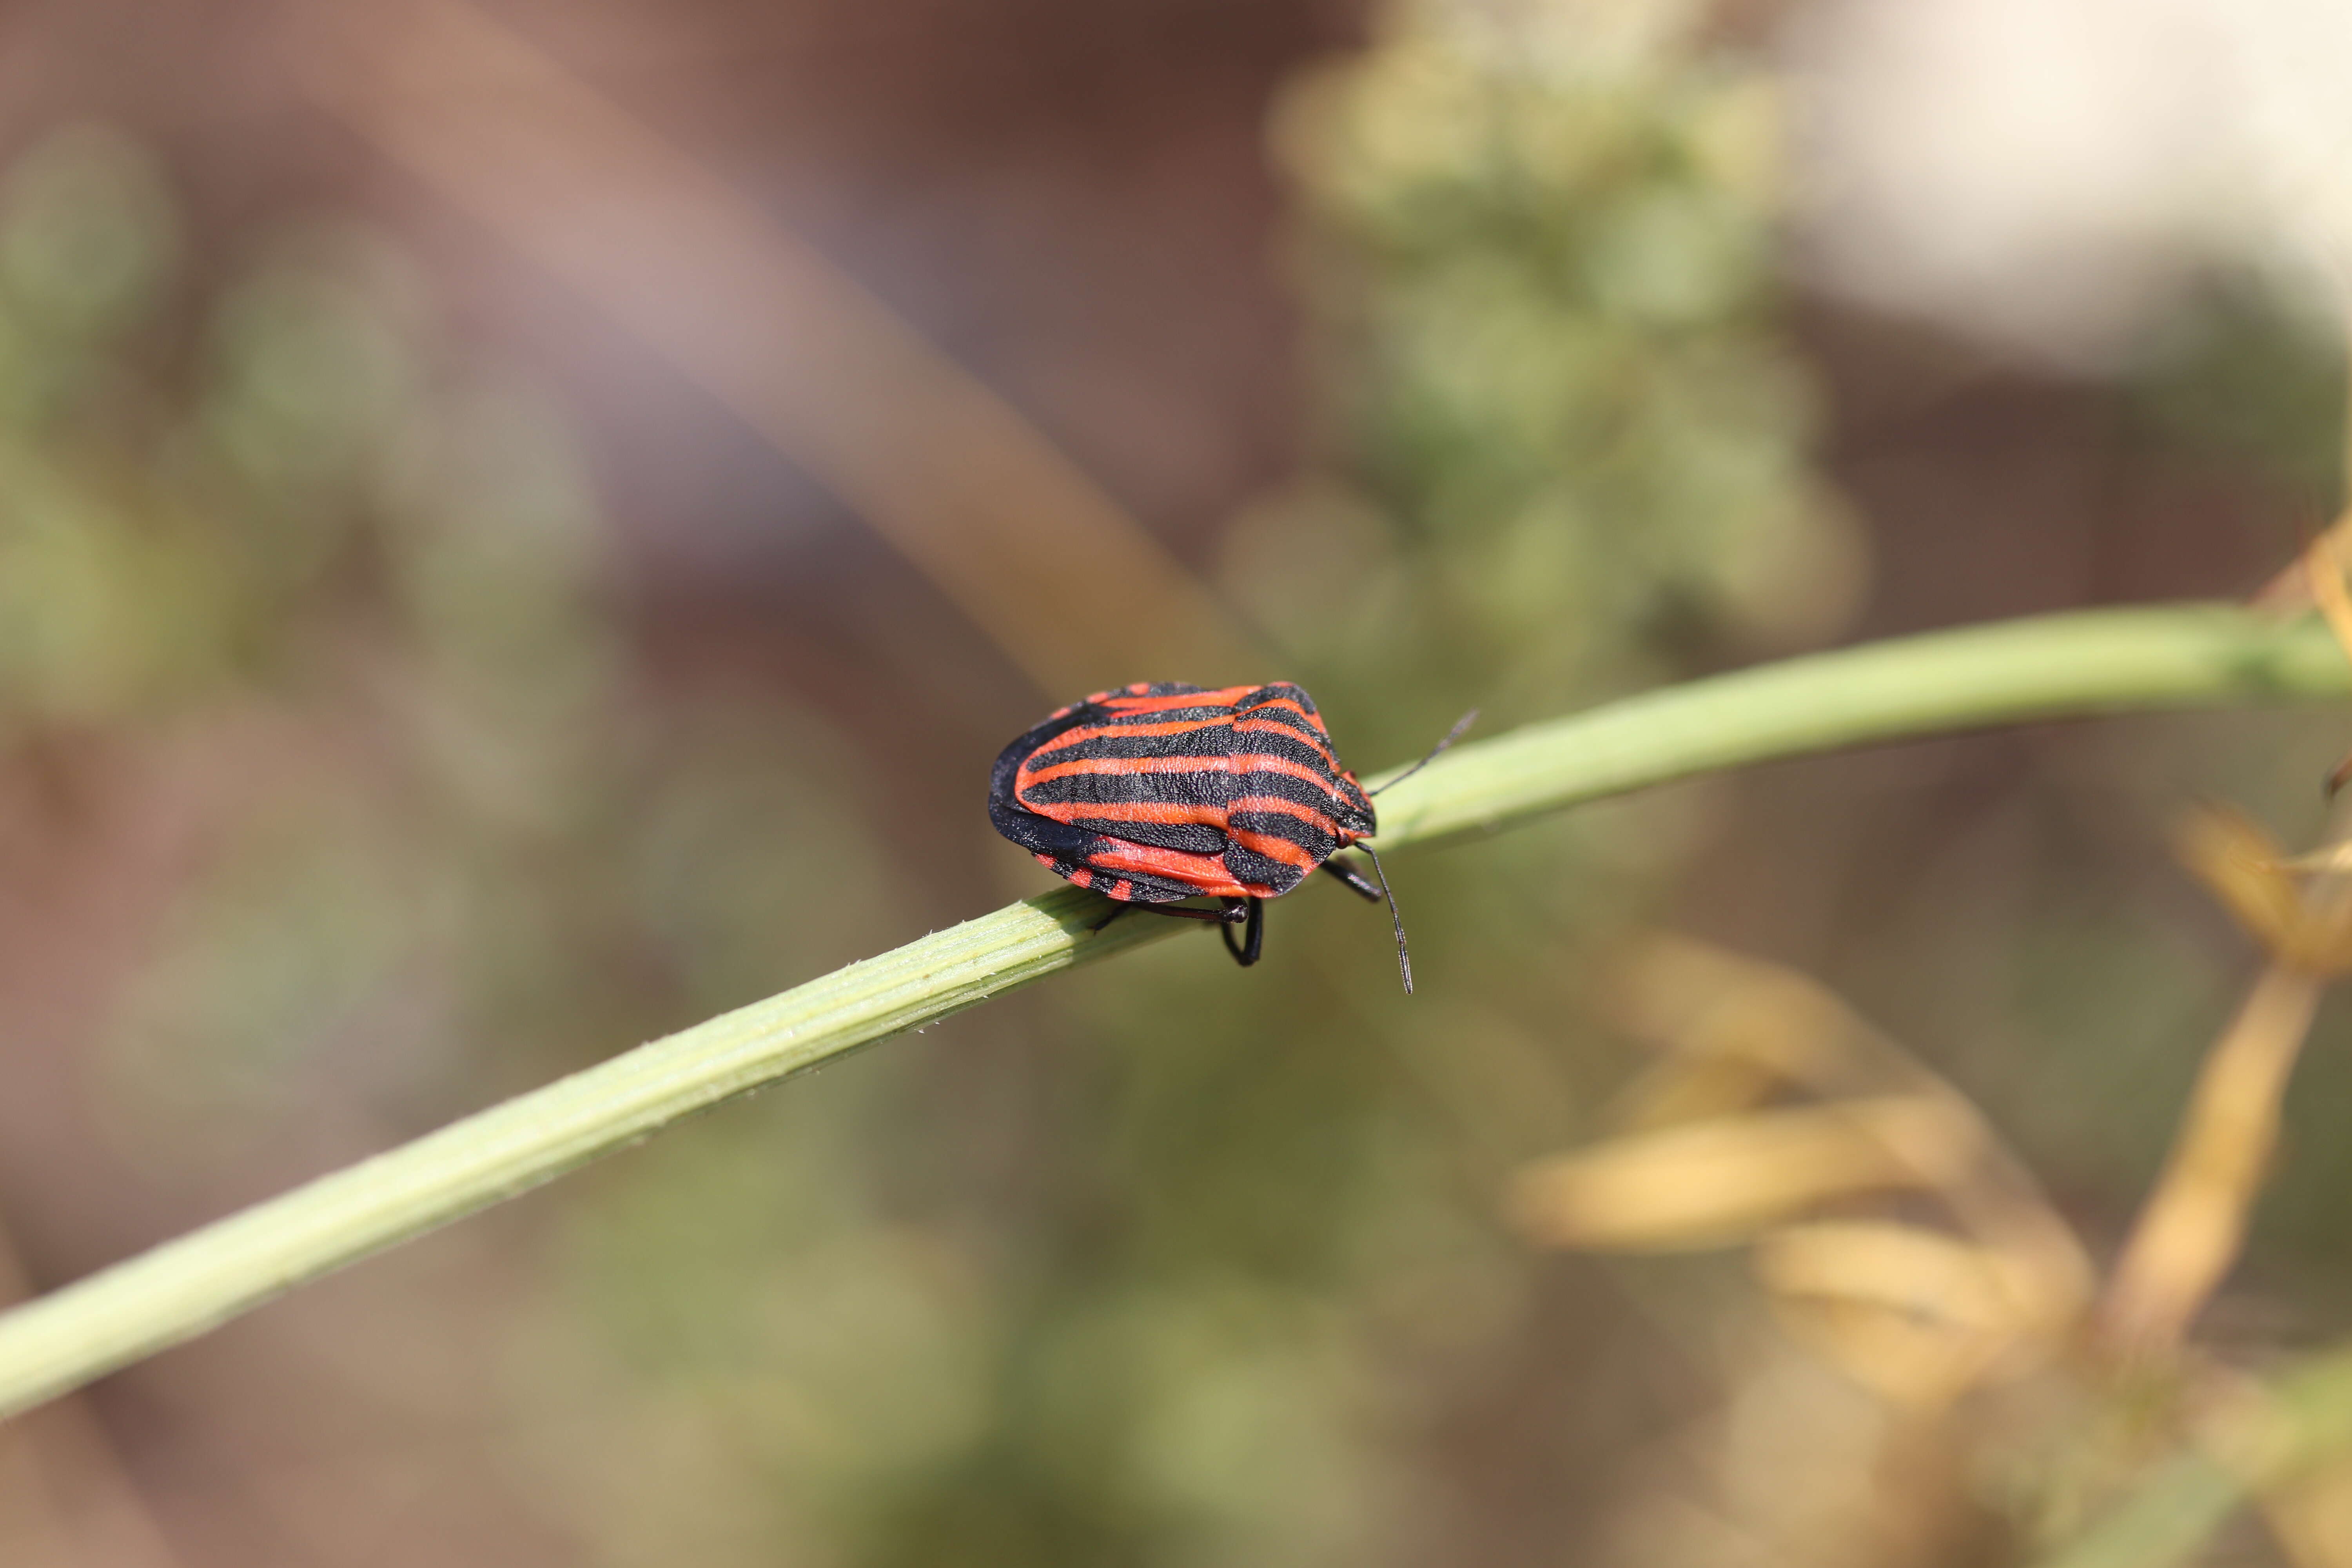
(1712, 1183)
(1901, 1267)
(2239, 865)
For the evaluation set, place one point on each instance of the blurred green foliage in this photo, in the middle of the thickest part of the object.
(282, 550)
(1195, 1274)
(1252, 1273)
(1170, 1265)
(1567, 432)
(1241, 1268)
(2250, 372)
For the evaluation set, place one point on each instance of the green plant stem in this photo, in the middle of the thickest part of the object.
(2304, 1420)
(2183, 1501)
(2057, 666)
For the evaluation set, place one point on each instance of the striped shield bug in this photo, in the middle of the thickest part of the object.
(1159, 792)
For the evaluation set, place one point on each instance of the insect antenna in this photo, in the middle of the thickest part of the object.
(1405, 957)
(1451, 736)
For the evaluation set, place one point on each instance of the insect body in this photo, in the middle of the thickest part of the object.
(1159, 792)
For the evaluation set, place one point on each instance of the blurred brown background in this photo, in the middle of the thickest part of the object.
(523, 527)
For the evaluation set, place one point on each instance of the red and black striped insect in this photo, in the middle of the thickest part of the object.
(1161, 792)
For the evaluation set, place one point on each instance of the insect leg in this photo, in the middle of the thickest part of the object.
(1354, 880)
(1245, 952)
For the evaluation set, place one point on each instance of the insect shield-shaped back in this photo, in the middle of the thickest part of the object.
(1159, 792)
(1153, 792)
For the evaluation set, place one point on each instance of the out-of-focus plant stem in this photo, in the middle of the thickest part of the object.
(945, 470)
(2263, 1437)
(2185, 1499)
(2051, 667)
(2189, 1232)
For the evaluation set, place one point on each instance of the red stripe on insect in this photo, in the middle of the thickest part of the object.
(1165, 814)
(1274, 847)
(1205, 872)
(1224, 697)
(1314, 719)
